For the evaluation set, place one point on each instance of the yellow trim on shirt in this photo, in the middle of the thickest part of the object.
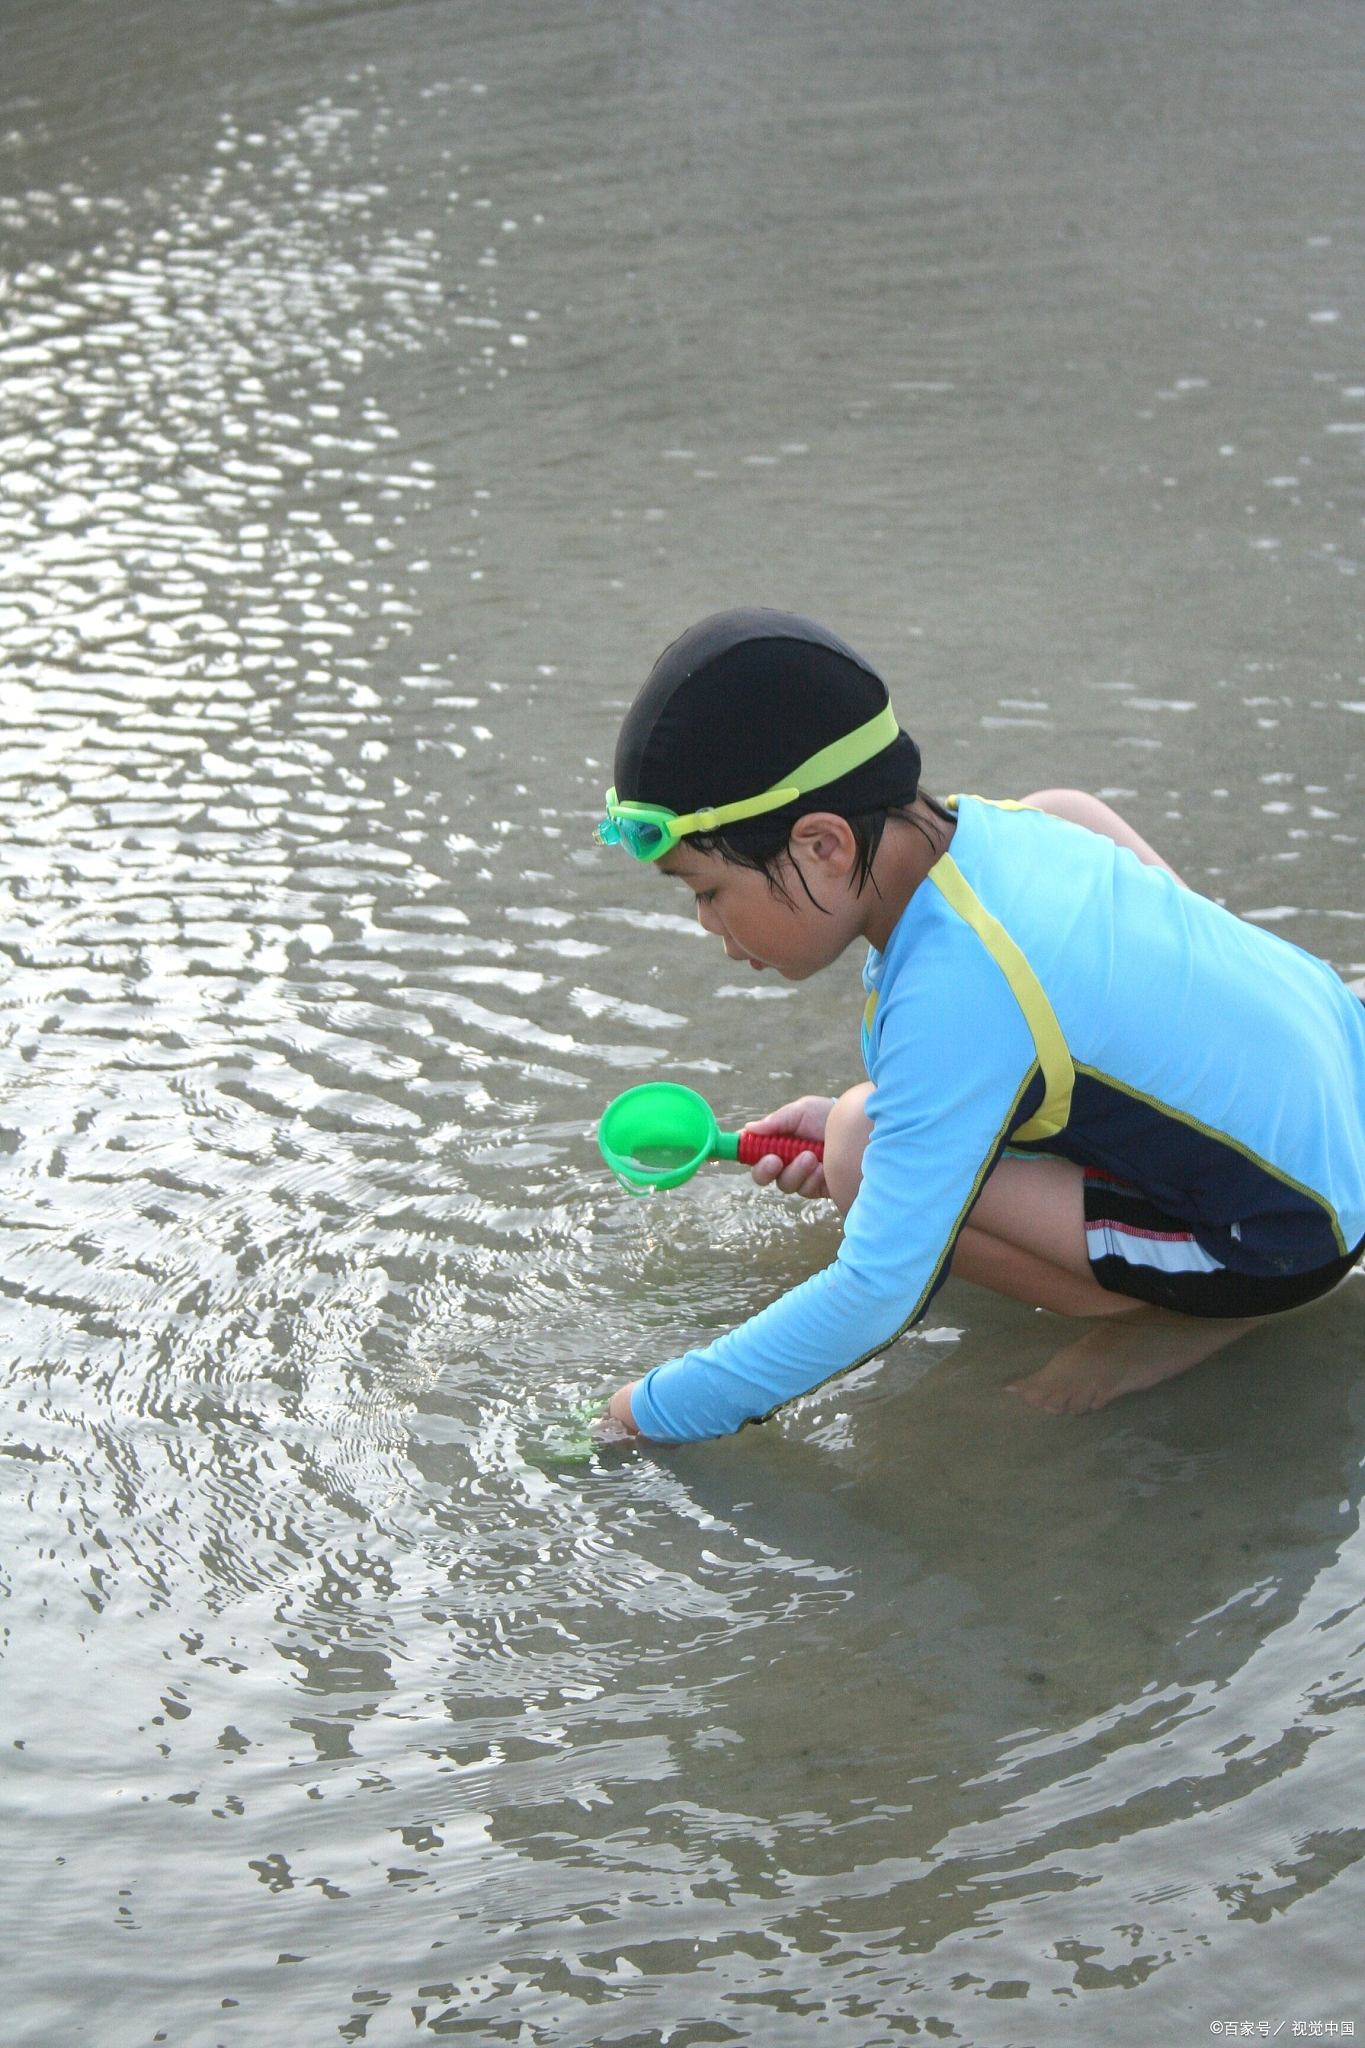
(1054, 1057)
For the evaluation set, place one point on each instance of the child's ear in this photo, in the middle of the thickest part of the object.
(828, 840)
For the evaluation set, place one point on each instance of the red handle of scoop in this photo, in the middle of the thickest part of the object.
(755, 1145)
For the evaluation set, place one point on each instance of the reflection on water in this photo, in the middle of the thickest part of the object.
(382, 388)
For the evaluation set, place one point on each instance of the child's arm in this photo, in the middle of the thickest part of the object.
(805, 1118)
(953, 1078)
(1080, 809)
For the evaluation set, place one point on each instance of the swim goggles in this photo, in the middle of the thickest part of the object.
(649, 831)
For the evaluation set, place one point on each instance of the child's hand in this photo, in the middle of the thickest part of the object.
(804, 1118)
(618, 1422)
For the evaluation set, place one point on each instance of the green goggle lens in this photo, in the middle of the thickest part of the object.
(642, 836)
(639, 837)
(647, 838)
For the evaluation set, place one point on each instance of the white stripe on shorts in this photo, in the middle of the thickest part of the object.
(1168, 1250)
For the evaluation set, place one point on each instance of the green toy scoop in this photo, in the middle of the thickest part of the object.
(657, 1135)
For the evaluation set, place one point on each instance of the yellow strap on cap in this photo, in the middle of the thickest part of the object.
(839, 758)
(1054, 1055)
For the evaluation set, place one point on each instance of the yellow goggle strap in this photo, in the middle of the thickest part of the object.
(841, 757)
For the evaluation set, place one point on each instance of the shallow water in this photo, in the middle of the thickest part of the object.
(384, 385)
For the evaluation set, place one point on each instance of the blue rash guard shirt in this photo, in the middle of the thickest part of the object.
(1214, 1067)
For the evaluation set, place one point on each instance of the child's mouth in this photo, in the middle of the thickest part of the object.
(758, 965)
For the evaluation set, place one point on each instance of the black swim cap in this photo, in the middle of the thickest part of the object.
(741, 700)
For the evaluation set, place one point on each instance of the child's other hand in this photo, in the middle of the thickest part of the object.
(804, 1118)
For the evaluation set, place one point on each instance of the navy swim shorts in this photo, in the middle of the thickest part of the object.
(1136, 1249)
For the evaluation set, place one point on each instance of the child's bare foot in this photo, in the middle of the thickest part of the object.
(1124, 1356)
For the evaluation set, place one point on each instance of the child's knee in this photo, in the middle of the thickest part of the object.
(846, 1134)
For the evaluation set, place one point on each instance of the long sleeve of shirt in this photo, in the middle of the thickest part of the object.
(951, 1069)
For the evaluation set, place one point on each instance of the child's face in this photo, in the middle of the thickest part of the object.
(760, 925)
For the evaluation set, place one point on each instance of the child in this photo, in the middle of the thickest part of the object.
(1091, 1089)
